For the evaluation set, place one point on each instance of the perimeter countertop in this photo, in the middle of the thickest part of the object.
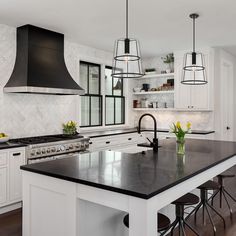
(142, 175)
(97, 134)
(9, 144)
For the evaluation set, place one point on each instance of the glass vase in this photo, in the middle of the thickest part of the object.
(180, 146)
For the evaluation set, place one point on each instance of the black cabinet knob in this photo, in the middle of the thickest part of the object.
(227, 127)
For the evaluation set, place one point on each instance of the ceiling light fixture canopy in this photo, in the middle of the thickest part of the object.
(127, 57)
(194, 71)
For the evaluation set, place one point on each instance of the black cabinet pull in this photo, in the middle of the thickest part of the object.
(228, 127)
(90, 142)
(16, 154)
(107, 142)
(129, 138)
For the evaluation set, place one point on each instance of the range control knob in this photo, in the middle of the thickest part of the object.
(43, 151)
(38, 152)
(77, 145)
(71, 146)
(32, 153)
(53, 149)
(48, 150)
(62, 148)
(86, 145)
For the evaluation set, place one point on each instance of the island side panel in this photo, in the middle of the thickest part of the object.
(49, 206)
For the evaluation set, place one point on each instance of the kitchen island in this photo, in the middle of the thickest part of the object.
(140, 184)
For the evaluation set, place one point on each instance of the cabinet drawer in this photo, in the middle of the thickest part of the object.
(3, 158)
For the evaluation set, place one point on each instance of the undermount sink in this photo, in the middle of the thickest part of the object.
(146, 145)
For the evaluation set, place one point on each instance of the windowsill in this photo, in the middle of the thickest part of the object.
(105, 128)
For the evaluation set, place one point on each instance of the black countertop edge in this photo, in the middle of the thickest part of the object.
(129, 131)
(9, 145)
(122, 191)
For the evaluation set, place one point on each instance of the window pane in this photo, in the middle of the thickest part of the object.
(109, 111)
(94, 79)
(95, 110)
(118, 86)
(108, 81)
(84, 110)
(119, 111)
(84, 77)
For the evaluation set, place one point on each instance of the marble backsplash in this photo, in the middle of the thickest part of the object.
(199, 120)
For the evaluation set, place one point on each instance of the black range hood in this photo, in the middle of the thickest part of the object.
(40, 65)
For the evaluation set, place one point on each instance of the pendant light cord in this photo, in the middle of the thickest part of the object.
(194, 34)
(127, 18)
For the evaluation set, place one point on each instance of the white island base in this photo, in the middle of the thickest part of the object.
(55, 207)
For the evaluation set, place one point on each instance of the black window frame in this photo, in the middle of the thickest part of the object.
(89, 95)
(115, 96)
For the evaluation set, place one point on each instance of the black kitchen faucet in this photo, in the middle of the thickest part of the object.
(153, 143)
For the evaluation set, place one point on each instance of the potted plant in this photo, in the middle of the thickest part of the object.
(180, 132)
(169, 60)
(70, 128)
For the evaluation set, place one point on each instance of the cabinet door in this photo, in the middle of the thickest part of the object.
(16, 159)
(200, 93)
(3, 185)
(199, 97)
(182, 91)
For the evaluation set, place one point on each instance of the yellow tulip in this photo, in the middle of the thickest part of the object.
(188, 125)
(178, 125)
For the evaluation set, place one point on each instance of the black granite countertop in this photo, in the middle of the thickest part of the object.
(97, 134)
(139, 175)
(10, 145)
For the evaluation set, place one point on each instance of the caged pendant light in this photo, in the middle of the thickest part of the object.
(194, 71)
(127, 57)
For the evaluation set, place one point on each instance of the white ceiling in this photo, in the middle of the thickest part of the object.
(160, 25)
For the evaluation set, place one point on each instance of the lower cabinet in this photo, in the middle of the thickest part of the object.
(10, 175)
(3, 185)
(16, 159)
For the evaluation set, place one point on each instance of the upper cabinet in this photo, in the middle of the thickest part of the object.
(194, 97)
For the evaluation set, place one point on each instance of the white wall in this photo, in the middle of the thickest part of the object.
(31, 114)
(221, 55)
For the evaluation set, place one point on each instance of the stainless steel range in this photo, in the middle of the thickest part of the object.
(50, 147)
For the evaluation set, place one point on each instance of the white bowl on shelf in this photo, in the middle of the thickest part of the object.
(136, 90)
(4, 139)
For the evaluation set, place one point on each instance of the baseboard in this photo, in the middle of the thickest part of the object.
(11, 207)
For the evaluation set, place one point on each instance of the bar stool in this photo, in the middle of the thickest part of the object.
(222, 191)
(163, 222)
(209, 185)
(186, 200)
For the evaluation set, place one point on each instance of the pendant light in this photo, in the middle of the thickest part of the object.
(194, 71)
(127, 57)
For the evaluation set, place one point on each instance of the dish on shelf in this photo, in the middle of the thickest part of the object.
(136, 90)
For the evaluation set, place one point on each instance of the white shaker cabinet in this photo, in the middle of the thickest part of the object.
(16, 159)
(3, 185)
(194, 97)
(10, 175)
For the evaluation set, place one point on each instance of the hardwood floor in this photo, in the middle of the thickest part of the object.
(11, 223)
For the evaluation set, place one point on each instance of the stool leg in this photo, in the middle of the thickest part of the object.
(191, 228)
(209, 215)
(213, 196)
(182, 228)
(231, 212)
(229, 195)
(173, 227)
(217, 213)
(221, 193)
(196, 210)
